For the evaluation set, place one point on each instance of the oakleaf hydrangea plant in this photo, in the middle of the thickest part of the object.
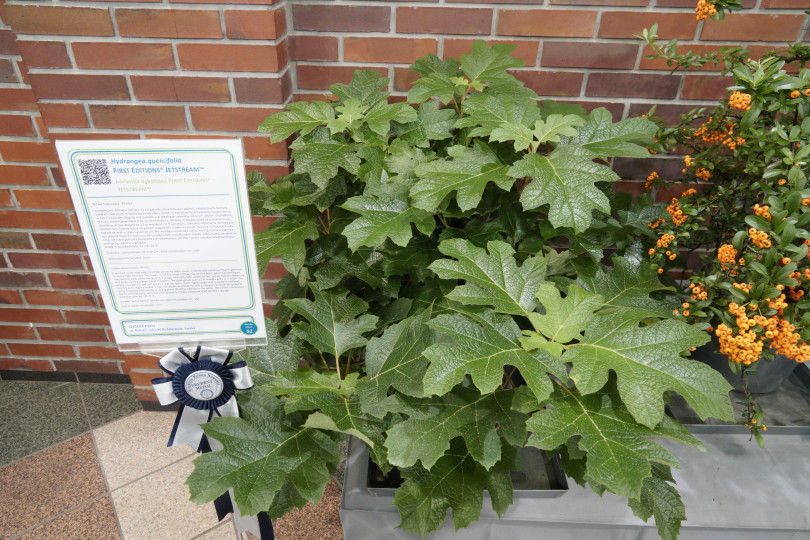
(450, 299)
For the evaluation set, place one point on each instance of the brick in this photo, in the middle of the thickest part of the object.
(119, 56)
(5, 196)
(59, 21)
(670, 113)
(229, 118)
(42, 349)
(312, 48)
(138, 361)
(17, 332)
(260, 148)
(93, 318)
(332, 18)
(23, 279)
(146, 393)
(100, 352)
(626, 24)
(168, 23)
(141, 378)
(385, 49)
(64, 115)
(19, 219)
(639, 168)
(319, 77)
(8, 42)
(59, 242)
(706, 87)
(16, 125)
(632, 85)
(85, 366)
(79, 86)
(46, 260)
(170, 88)
(254, 24)
(552, 83)
(44, 54)
(784, 4)
(235, 2)
(8, 296)
(228, 57)
(589, 55)
(404, 78)
(7, 73)
(526, 50)
(249, 90)
(73, 281)
(138, 117)
(26, 315)
(633, 3)
(541, 22)
(443, 20)
(14, 240)
(88, 136)
(275, 270)
(26, 364)
(17, 99)
(45, 199)
(58, 298)
(71, 334)
(23, 175)
(754, 27)
(25, 151)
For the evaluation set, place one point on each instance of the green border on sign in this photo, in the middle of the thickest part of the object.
(73, 154)
(245, 317)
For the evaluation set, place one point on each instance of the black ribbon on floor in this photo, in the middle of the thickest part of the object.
(205, 384)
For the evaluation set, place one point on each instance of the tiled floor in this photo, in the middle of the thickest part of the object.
(84, 461)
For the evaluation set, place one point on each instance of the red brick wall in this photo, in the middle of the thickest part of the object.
(213, 68)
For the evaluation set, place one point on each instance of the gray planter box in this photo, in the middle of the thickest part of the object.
(736, 492)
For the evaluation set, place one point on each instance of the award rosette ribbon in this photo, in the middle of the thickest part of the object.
(204, 384)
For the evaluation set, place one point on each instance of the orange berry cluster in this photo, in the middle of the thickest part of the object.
(759, 238)
(698, 291)
(716, 136)
(726, 254)
(745, 287)
(657, 223)
(704, 10)
(740, 101)
(744, 348)
(763, 211)
(806, 202)
(650, 179)
(674, 209)
(665, 240)
(703, 174)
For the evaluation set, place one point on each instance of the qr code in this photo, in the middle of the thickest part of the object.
(94, 171)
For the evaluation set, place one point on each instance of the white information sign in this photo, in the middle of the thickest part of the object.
(167, 225)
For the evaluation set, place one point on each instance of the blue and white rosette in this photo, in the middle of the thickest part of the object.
(204, 383)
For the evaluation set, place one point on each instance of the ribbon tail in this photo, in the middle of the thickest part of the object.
(187, 428)
(259, 526)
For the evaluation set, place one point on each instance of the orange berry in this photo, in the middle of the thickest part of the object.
(795, 94)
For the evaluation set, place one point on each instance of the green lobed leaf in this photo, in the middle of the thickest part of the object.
(491, 279)
(366, 264)
(605, 139)
(299, 190)
(384, 218)
(565, 180)
(286, 238)
(628, 286)
(564, 319)
(483, 344)
(321, 156)
(425, 436)
(467, 173)
(647, 361)
(366, 87)
(262, 450)
(435, 85)
(434, 124)
(380, 116)
(280, 354)
(333, 325)
(299, 116)
(395, 360)
(486, 112)
(433, 64)
(489, 63)
(660, 499)
(456, 482)
(521, 136)
(619, 449)
(553, 126)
